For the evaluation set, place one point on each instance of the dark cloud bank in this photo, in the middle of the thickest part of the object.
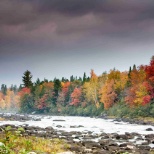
(88, 31)
(53, 20)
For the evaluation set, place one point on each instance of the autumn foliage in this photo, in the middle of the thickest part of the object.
(108, 95)
(76, 94)
(134, 88)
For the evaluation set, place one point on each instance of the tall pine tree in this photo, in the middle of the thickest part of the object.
(27, 79)
(57, 88)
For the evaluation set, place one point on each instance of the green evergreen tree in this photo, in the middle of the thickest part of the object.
(20, 87)
(134, 67)
(57, 88)
(3, 89)
(72, 78)
(38, 82)
(11, 88)
(27, 104)
(80, 79)
(88, 79)
(84, 77)
(46, 80)
(64, 79)
(129, 77)
(129, 73)
(14, 88)
(27, 79)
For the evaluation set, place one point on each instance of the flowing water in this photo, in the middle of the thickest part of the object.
(96, 125)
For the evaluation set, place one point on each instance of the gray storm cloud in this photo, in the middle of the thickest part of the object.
(47, 34)
(53, 20)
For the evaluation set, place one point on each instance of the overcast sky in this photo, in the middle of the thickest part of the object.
(60, 38)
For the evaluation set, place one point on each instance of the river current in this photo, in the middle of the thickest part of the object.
(95, 125)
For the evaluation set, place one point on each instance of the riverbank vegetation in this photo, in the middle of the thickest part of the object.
(120, 94)
(12, 142)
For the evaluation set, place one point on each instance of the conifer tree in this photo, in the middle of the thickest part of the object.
(3, 89)
(38, 82)
(57, 88)
(84, 77)
(134, 67)
(27, 79)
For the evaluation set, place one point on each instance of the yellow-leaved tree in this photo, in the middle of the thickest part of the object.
(2, 101)
(91, 89)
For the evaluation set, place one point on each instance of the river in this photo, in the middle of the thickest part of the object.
(96, 127)
(70, 123)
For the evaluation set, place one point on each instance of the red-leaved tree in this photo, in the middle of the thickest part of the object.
(75, 96)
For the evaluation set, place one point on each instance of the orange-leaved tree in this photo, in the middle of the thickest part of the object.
(108, 95)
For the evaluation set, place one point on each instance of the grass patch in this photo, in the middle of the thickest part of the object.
(13, 142)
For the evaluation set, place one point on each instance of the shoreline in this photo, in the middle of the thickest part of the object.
(138, 120)
(108, 143)
(83, 142)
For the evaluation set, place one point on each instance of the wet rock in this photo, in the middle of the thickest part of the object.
(87, 138)
(152, 141)
(75, 148)
(149, 136)
(59, 126)
(49, 128)
(123, 145)
(129, 135)
(130, 146)
(145, 143)
(135, 134)
(141, 152)
(58, 120)
(114, 149)
(124, 137)
(105, 136)
(139, 138)
(143, 147)
(149, 129)
(100, 151)
(73, 126)
(80, 126)
(104, 142)
(37, 119)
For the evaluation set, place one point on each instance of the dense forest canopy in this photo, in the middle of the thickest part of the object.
(92, 95)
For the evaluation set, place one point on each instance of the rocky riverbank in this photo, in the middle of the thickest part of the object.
(89, 142)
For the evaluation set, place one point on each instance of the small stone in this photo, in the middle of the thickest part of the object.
(149, 129)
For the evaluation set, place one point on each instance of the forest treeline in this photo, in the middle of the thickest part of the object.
(129, 93)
